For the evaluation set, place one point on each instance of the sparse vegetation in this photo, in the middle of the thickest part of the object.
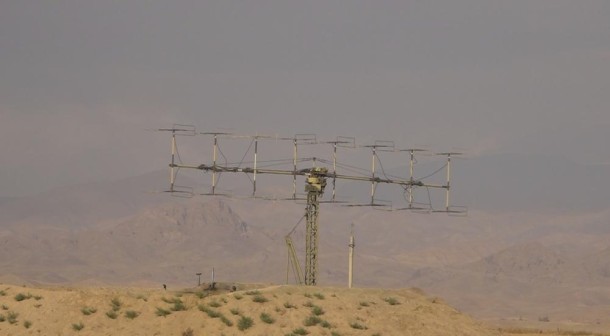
(300, 331)
(244, 323)
(356, 325)
(544, 319)
(4, 307)
(116, 304)
(267, 318)
(237, 297)
(178, 305)
(307, 295)
(316, 310)
(391, 301)
(27, 324)
(78, 326)
(88, 310)
(289, 305)
(131, 314)
(312, 321)
(2, 293)
(253, 292)
(12, 317)
(364, 304)
(188, 332)
(211, 312)
(2, 318)
(215, 304)
(226, 321)
(259, 299)
(334, 333)
(235, 311)
(37, 297)
(162, 312)
(320, 296)
(111, 314)
(326, 324)
(21, 297)
(201, 295)
(308, 304)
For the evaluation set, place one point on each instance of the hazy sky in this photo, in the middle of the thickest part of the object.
(81, 81)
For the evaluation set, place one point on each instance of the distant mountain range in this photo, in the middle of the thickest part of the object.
(492, 263)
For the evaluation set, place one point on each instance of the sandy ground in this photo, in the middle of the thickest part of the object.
(274, 310)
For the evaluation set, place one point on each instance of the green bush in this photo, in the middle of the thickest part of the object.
(267, 318)
(244, 323)
(392, 301)
(88, 310)
(300, 331)
(312, 321)
(259, 299)
(2, 293)
(226, 321)
(116, 304)
(12, 317)
(358, 326)
(162, 312)
(178, 305)
(27, 324)
(21, 296)
(78, 326)
(317, 310)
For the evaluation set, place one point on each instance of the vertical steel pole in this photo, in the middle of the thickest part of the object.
(334, 170)
(373, 177)
(171, 167)
(351, 259)
(255, 156)
(214, 164)
(294, 171)
(411, 161)
(448, 181)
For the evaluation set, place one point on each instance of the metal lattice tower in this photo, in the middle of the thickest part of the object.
(316, 181)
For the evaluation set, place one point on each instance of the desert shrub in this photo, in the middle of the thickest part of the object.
(211, 312)
(364, 304)
(78, 326)
(253, 292)
(27, 324)
(37, 297)
(2, 293)
(2, 318)
(259, 299)
(308, 304)
(178, 305)
(244, 323)
(316, 310)
(300, 331)
(544, 319)
(116, 304)
(356, 325)
(320, 296)
(201, 295)
(391, 301)
(224, 299)
(307, 295)
(131, 314)
(325, 324)
(334, 333)
(88, 310)
(162, 312)
(12, 317)
(111, 314)
(267, 318)
(21, 296)
(4, 307)
(226, 321)
(312, 321)
(188, 332)
(235, 311)
(142, 297)
(289, 305)
(237, 297)
(215, 304)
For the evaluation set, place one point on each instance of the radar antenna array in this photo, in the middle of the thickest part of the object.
(315, 180)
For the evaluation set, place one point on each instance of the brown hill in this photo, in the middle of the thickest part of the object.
(283, 310)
